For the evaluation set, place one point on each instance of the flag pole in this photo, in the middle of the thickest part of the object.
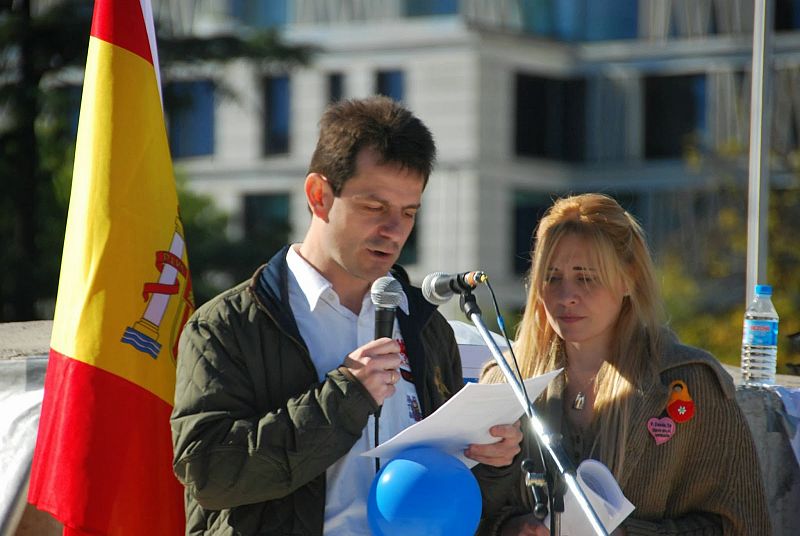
(758, 176)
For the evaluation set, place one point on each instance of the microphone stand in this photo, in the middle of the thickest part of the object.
(560, 472)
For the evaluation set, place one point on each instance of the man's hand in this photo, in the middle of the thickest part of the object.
(376, 366)
(501, 453)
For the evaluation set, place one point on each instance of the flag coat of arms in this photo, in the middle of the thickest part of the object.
(102, 463)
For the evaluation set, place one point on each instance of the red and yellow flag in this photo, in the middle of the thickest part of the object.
(102, 463)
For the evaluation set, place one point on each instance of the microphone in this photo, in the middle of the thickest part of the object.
(439, 287)
(386, 294)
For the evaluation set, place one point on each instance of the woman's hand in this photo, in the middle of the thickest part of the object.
(526, 525)
(501, 453)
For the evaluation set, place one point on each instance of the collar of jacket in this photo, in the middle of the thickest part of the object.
(270, 287)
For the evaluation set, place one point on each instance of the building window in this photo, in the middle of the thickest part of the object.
(260, 13)
(335, 87)
(190, 112)
(423, 8)
(581, 20)
(550, 118)
(409, 254)
(675, 114)
(611, 19)
(277, 108)
(390, 83)
(266, 220)
(787, 15)
(529, 207)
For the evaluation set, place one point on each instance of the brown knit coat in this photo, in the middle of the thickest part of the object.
(705, 480)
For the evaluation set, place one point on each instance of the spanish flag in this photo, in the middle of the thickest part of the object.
(102, 463)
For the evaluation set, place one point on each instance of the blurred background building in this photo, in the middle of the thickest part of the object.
(647, 100)
(527, 100)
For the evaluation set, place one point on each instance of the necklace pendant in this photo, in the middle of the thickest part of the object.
(580, 401)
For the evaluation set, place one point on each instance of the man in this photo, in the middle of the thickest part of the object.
(279, 379)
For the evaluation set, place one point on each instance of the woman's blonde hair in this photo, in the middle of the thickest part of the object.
(620, 254)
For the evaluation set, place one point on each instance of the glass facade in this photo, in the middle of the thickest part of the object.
(529, 207)
(391, 84)
(277, 106)
(422, 8)
(335, 87)
(581, 20)
(410, 252)
(190, 118)
(261, 13)
(674, 114)
(550, 118)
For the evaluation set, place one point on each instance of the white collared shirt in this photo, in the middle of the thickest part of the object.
(331, 331)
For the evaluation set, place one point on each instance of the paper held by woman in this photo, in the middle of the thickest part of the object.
(605, 496)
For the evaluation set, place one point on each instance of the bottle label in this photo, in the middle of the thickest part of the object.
(761, 332)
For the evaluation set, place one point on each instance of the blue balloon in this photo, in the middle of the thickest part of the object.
(422, 490)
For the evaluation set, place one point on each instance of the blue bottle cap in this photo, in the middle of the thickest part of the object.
(764, 290)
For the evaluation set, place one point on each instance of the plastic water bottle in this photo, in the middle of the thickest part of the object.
(760, 339)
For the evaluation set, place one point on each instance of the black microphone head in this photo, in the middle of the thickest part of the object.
(386, 292)
(429, 289)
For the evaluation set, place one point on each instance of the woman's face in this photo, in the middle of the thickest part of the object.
(579, 308)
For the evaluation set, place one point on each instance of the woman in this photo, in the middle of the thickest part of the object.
(662, 416)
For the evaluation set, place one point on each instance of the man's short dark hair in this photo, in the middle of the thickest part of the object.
(377, 123)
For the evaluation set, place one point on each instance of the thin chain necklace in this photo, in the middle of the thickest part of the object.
(580, 399)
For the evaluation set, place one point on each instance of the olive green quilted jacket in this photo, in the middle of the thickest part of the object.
(254, 430)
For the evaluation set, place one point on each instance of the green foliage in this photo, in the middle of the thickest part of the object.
(256, 45)
(32, 148)
(717, 332)
(217, 261)
(37, 137)
(706, 301)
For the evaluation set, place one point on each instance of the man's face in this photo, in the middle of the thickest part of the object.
(369, 222)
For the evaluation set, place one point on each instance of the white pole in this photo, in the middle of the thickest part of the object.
(758, 177)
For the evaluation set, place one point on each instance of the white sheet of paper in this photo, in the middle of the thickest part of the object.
(605, 496)
(473, 349)
(465, 419)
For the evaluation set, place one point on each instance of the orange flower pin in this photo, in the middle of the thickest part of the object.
(680, 405)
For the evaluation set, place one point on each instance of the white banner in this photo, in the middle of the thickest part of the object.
(21, 390)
